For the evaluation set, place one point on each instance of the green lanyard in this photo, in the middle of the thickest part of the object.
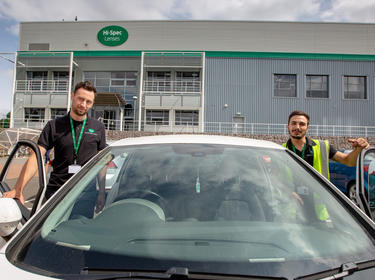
(76, 145)
(303, 150)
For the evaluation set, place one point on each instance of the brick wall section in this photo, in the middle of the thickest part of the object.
(339, 142)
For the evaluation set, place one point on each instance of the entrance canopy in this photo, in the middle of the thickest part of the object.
(110, 99)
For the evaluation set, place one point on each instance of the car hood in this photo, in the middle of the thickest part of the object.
(9, 271)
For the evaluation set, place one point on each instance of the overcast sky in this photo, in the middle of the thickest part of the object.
(14, 11)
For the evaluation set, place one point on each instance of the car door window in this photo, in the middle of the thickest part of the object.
(366, 181)
(11, 171)
(369, 179)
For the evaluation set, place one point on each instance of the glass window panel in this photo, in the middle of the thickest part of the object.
(34, 114)
(186, 117)
(317, 86)
(131, 83)
(102, 82)
(102, 89)
(37, 75)
(89, 75)
(159, 117)
(188, 75)
(118, 75)
(117, 82)
(131, 75)
(103, 75)
(64, 75)
(285, 85)
(116, 89)
(355, 87)
(159, 75)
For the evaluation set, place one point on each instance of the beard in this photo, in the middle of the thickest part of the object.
(297, 136)
(300, 134)
(78, 112)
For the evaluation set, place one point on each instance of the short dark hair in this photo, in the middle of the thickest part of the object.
(85, 85)
(299, 113)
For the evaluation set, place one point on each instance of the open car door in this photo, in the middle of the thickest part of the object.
(11, 170)
(366, 181)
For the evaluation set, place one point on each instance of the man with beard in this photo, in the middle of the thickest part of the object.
(75, 138)
(317, 153)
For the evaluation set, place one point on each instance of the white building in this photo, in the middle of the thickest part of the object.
(197, 75)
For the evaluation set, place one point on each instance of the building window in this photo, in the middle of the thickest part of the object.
(34, 114)
(129, 111)
(61, 80)
(57, 112)
(158, 117)
(285, 85)
(317, 86)
(124, 82)
(186, 117)
(158, 81)
(37, 80)
(187, 82)
(123, 79)
(355, 87)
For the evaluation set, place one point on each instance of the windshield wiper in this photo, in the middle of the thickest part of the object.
(174, 273)
(344, 270)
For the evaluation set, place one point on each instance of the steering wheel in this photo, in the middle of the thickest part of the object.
(144, 194)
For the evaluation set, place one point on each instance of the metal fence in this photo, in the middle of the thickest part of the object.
(42, 85)
(216, 127)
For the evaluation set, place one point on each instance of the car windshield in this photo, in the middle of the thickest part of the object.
(209, 208)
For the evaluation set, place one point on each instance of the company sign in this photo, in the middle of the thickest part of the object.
(112, 35)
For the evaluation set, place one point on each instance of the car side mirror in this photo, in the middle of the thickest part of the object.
(10, 216)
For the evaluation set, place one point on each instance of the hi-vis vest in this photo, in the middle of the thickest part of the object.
(321, 164)
(321, 157)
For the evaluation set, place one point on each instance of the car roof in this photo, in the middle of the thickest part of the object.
(198, 139)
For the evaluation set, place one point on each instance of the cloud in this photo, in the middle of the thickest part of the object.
(14, 29)
(350, 11)
(249, 10)
(283, 10)
(40, 10)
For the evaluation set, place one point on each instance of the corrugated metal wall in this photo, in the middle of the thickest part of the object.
(246, 86)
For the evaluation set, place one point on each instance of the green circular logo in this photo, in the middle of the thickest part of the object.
(91, 130)
(112, 35)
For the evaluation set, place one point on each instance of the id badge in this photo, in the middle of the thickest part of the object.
(74, 168)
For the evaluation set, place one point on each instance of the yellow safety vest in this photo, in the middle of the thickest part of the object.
(321, 157)
(321, 164)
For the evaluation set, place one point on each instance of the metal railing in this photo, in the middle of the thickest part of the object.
(42, 85)
(183, 86)
(216, 127)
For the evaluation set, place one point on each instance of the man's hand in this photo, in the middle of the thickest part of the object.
(296, 196)
(14, 194)
(359, 143)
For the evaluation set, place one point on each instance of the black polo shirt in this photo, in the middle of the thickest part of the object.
(57, 134)
(309, 154)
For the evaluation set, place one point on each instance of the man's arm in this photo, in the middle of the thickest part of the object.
(351, 158)
(28, 171)
(101, 194)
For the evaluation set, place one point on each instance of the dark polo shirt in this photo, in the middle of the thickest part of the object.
(309, 154)
(57, 134)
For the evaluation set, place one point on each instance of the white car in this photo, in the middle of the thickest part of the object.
(199, 207)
